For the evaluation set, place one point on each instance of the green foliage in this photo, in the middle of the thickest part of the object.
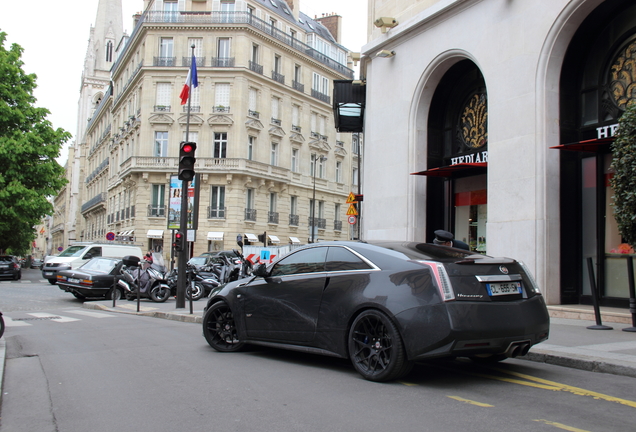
(624, 179)
(29, 173)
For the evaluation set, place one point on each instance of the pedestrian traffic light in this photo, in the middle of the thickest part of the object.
(179, 240)
(186, 160)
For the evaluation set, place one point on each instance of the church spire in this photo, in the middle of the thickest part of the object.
(107, 33)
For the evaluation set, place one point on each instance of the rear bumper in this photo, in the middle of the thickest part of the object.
(473, 328)
(84, 291)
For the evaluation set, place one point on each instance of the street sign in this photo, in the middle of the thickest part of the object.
(351, 199)
(110, 236)
(351, 220)
(352, 210)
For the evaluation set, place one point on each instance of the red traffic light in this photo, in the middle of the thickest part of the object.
(187, 148)
(178, 236)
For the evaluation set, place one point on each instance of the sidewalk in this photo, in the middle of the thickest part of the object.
(570, 344)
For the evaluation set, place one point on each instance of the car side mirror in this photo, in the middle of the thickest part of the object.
(260, 271)
(88, 256)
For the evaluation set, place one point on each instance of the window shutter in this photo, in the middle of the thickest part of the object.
(222, 95)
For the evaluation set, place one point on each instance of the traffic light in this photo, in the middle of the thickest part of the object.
(179, 239)
(186, 160)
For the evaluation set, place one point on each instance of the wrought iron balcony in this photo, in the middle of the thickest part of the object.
(216, 212)
(255, 67)
(297, 128)
(164, 61)
(298, 86)
(320, 96)
(254, 114)
(97, 199)
(272, 217)
(187, 61)
(276, 121)
(162, 108)
(293, 219)
(250, 215)
(278, 77)
(222, 61)
(337, 225)
(193, 108)
(318, 222)
(221, 109)
(156, 210)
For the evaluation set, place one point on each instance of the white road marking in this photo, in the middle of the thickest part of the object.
(8, 322)
(91, 314)
(53, 317)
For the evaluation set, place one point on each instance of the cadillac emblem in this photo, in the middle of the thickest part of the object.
(503, 269)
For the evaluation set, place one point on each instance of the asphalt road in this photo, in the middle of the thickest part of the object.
(73, 369)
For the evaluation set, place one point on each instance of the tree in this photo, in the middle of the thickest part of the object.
(29, 173)
(624, 179)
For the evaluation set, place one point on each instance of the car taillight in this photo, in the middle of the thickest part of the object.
(534, 287)
(86, 282)
(441, 277)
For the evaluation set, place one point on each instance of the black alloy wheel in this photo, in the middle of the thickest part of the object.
(219, 328)
(376, 348)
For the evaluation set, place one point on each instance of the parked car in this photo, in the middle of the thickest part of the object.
(36, 263)
(227, 253)
(77, 254)
(383, 305)
(10, 267)
(93, 279)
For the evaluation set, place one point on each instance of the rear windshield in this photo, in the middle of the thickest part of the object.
(100, 265)
(72, 251)
(5, 259)
(426, 251)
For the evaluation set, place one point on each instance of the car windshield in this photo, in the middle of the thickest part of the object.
(198, 261)
(5, 259)
(72, 251)
(100, 265)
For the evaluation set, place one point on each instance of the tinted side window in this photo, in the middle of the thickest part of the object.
(304, 261)
(341, 259)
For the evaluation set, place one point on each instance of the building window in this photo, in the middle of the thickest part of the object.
(222, 97)
(272, 216)
(250, 211)
(109, 51)
(161, 144)
(253, 97)
(220, 145)
(255, 53)
(157, 206)
(193, 136)
(338, 172)
(294, 160)
(198, 49)
(164, 93)
(273, 160)
(223, 48)
(217, 202)
(354, 181)
(275, 111)
(321, 168)
(250, 147)
(166, 49)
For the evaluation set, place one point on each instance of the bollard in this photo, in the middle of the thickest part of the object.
(597, 311)
(632, 294)
(113, 290)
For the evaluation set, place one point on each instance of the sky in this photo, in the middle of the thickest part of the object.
(54, 36)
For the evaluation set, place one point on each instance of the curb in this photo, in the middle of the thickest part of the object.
(185, 317)
(586, 363)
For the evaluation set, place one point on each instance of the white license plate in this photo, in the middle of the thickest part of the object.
(48, 273)
(503, 288)
(73, 280)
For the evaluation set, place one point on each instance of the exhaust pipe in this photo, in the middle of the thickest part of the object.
(518, 349)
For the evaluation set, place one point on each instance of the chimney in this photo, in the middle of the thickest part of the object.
(294, 5)
(333, 22)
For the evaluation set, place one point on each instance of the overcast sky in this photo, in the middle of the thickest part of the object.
(54, 35)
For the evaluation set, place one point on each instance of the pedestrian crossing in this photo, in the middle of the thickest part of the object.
(24, 281)
(20, 319)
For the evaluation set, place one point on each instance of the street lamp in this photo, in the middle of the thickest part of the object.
(315, 159)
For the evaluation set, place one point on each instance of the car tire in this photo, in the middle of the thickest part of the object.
(52, 281)
(219, 328)
(114, 292)
(17, 276)
(160, 293)
(376, 348)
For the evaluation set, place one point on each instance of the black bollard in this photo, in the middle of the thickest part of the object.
(597, 311)
(632, 294)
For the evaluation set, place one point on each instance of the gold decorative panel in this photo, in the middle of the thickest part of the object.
(474, 122)
(623, 77)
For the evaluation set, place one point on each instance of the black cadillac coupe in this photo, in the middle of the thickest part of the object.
(93, 279)
(384, 305)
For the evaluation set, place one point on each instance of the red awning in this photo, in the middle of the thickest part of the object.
(593, 145)
(457, 170)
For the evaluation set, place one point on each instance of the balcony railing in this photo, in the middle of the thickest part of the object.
(293, 219)
(298, 86)
(221, 109)
(187, 61)
(193, 108)
(320, 96)
(254, 114)
(272, 217)
(337, 225)
(318, 222)
(297, 128)
(222, 61)
(196, 17)
(162, 108)
(250, 214)
(278, 77)
(255, 67)
(97, 199)
(156, 210)
(275, 121)
(164, 61)
(216, 212)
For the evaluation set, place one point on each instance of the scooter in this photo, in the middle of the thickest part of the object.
(147, 279)
(197, 285)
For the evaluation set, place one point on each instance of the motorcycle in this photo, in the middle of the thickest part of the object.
(146, 279)
(197, 285)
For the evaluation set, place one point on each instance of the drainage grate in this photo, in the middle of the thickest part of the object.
(37, 319)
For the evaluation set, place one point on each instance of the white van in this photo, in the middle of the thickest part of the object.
(77, 254)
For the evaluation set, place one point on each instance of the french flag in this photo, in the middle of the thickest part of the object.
(191, 81)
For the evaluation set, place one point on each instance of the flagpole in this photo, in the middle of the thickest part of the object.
(183, 224)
